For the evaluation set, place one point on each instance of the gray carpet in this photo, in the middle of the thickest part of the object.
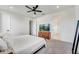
(56, 47)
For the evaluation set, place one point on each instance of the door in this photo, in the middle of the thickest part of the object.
(33, 28)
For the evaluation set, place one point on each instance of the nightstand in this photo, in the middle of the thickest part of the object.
(7, 52)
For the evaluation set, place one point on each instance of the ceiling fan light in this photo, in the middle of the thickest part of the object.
(11, 7)
(57, 6)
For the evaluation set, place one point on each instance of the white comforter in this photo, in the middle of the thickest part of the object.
(25, 44)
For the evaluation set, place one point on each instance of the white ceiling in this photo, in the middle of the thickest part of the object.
(21, 9)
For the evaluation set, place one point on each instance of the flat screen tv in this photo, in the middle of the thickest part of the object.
(44, 27)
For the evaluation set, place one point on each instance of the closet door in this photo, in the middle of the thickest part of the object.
(33, 27)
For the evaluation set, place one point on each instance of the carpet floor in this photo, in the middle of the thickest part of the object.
(56, 47)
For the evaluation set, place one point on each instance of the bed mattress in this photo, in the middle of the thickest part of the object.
(26, 44)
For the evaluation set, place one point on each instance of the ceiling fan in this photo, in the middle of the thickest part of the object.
(34, 9)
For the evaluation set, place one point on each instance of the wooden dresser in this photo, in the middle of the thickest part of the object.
(44, 34)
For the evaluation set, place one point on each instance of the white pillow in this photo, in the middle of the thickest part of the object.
(3, 45)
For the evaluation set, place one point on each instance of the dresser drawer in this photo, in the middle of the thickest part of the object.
(46, 35)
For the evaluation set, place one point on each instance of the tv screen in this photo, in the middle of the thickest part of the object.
(44, 27)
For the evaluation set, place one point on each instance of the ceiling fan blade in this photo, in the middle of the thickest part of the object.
(38, 10)
(29, 11)
(36, 7)
(28, 7)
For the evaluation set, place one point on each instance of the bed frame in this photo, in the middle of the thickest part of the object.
(39, 49)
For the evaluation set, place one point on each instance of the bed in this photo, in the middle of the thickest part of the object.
(25, 44)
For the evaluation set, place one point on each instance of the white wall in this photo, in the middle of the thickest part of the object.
(16, 23)
(0, 22)
(60, 23)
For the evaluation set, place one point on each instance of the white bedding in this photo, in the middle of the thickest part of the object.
(3, 45)
(25, 44)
